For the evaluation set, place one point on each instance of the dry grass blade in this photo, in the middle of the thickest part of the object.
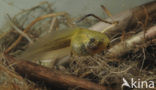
(53, 22)
(107, 12)
(18, 30)
(31, 24)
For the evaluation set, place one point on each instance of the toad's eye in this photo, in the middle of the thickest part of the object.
(92, 40)
(92, 44)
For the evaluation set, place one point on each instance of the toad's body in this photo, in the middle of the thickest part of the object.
(79, 41)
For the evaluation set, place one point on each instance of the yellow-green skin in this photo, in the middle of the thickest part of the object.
(87, 42)
(80, 40)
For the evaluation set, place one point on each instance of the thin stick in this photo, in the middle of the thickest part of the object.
(143, 61)
(146, 17)
(51, 77)
(4, 34)
(107, 12)
(126, 18)
(53, 22)
(31, 9)
(120, 49)
(94, 17)
(18, 30)
(30, 25)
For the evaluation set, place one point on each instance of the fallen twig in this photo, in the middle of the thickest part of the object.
(127, 18)
(129, 44)
(18, 30)
(32, 23)
(94, 17)
(107, 12)
(53, 22)
(51, 77)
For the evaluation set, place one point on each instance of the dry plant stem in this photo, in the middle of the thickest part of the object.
(107, 12)
(123, 18)
(18, 30)
(10, 80)
(126, 18)
(30, 25)
(94, 17)
(143, 61)
(33, 8)
(105, 21)
(10, 72)
(129, 44)
(147, 16)
(4, 34)
(51, 77)
(53, 22)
